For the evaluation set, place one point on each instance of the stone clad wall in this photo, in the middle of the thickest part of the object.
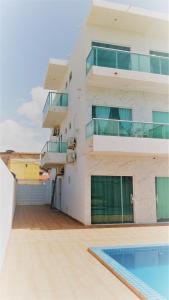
(143, 170)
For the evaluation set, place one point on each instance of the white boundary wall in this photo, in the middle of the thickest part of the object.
(38, 193)
(7, 207)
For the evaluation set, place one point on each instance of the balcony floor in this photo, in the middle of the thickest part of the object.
(45, 264)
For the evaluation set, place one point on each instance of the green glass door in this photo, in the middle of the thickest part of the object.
(162, 197)
(127, 193)
(111, 199)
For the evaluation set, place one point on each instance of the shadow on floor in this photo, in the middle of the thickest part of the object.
(42, 217)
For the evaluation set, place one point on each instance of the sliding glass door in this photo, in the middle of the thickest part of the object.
(162, 196)
(111, 199)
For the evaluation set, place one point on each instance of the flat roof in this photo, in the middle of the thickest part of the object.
(18, 153)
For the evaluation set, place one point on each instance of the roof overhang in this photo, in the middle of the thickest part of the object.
(56, 73)
(127, 17)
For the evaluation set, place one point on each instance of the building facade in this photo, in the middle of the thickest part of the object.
(109, 117)
(25, 166)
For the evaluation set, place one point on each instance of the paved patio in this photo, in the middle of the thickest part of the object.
(45, 264)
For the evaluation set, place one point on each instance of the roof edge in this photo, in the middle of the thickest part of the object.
(129, 9)
(58, 61)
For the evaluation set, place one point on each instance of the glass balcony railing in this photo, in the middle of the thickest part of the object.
(55, 99)
(110, 58)
(127, 129)
(55, 147)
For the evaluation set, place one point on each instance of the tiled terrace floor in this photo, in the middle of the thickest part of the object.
(45, 264)
(42, 217)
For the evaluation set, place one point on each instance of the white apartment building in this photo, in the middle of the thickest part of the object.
(108, 112)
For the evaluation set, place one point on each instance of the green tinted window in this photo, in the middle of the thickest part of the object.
(105, 112)
(157, 53)
(160, 117)
(110, 46)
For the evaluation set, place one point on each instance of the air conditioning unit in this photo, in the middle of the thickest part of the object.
(71, 143)
(71, 156)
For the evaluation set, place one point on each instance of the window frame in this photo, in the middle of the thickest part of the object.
(121, 107)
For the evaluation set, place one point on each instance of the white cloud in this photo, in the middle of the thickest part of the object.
(19, 137)
(33, 109)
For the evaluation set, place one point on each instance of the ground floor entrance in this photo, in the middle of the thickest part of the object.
(162, 197)
(111, 199)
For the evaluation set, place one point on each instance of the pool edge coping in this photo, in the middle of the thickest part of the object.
(123, 279)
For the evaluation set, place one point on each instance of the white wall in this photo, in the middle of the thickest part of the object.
(76, 198)
(142, 169)
(138, 42)
(141, 103)
(7, 207)
(73, 201)
(38, 193)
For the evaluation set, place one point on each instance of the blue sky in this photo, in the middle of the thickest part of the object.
(32, 31)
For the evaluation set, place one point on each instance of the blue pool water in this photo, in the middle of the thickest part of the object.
(146, 268)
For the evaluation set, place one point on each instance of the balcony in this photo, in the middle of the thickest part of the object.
(127, 137)
(56, 74)
(125, 70)
(53, 155)
(55, 109)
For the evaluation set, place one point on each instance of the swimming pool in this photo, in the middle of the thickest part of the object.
(144, 269)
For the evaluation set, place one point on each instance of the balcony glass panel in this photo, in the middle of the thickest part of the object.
(55, 147)
(105, 58)
(111, 58)
(165, 66)
(127, 128)
(55, 99)
(123, 60)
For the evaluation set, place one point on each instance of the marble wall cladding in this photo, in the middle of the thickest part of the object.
(143, 169)
(76, 187)
(141, 103)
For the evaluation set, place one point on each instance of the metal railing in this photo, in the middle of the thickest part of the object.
(55, 99)
(126, 60)
(125, 128)
(55, 147)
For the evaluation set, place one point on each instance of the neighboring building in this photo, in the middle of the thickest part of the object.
(25, 166)
(110, 118)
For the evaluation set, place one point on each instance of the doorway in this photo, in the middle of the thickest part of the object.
(111, 199)
(162, 198)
